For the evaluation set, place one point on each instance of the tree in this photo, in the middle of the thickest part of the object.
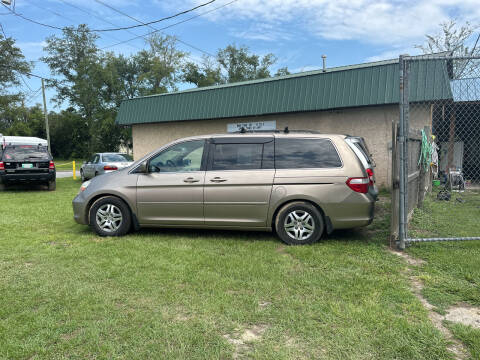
(282, 71)
(160, 66)
(232, 64)
(240, 65)
(206, 74)
(454, 39)
(76, 58)
(12, 66)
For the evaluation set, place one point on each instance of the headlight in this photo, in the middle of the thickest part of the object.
(84, 186)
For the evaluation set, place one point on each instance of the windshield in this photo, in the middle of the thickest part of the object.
(116, 158)
(25, 152)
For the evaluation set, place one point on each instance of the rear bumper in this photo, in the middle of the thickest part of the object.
(355, 211)
(24, 177)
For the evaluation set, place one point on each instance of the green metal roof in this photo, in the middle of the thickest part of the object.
(343, 87)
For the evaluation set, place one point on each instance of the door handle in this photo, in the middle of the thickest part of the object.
(190, 180)
(218, 179)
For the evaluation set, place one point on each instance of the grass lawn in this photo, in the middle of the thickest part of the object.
(171, 294)
(451, 273)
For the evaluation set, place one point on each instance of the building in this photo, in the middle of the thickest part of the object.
(356, 100)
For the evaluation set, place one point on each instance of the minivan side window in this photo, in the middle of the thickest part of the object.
(305, 153)
(182, 157)
(245, 156)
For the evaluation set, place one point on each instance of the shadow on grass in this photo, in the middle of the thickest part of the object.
(350, 235)
(26, 187)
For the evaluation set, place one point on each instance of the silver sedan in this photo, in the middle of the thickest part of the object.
(102, 163)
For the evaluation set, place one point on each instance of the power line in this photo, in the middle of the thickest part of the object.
(67, 18)
(99, 18)
(169, 26)
(151, 27)
(111, 29)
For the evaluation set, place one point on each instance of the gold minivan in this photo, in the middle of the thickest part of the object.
(298, 184)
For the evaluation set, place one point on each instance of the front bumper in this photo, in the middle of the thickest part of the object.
(80, 210)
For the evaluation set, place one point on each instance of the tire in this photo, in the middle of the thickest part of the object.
(2, 186)
(82, 176)
(299, 223)
(52, 185)
(96, 173)
(104, 222)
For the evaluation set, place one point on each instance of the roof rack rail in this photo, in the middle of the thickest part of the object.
(284, 131)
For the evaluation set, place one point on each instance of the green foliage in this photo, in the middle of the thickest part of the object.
(180, 294)
(232, 64)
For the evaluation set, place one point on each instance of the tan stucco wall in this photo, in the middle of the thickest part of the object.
(373, 123)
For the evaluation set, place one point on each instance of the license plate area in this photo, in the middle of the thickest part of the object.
(27, 166)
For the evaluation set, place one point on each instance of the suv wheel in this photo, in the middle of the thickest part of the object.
(110, 216)
(299, 223)
(52, 185)
(2, 186)
(82, 176)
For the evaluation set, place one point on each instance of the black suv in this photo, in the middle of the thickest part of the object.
(27, 164)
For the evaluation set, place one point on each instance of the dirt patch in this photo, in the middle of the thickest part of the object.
(464, 314)
(264, 304)
(242, 340)
(71, 335)
(456, 347)
(410, 260)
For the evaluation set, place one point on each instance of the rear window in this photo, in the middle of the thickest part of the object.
(305, 153)
(116, 158)
(25, 152)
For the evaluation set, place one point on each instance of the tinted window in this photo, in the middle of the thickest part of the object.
(115, 158)
(183, 157)
(237, 156)
(24, 152)
(305, 153)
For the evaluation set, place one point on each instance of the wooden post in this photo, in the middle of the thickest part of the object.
(451, 141)
(395, 204)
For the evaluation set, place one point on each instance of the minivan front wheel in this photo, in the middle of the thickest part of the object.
(299, 223)
(110, 216)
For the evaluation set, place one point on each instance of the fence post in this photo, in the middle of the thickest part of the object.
(394, 223)
(401, 150)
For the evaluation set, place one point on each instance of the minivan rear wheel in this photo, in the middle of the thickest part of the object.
(299, 223)
(110, 216)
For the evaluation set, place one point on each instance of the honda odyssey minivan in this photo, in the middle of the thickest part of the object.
(298, 184)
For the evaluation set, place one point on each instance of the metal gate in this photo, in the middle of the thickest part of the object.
(436, 143)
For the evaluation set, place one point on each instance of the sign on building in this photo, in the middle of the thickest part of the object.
(252, 126)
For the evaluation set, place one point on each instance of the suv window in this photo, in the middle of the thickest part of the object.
(305, 153)
(247, 156)
(183, 157)
(25, 152)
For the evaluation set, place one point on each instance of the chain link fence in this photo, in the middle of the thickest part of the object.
(436, 152)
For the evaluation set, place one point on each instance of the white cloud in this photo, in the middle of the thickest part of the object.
(392, 22)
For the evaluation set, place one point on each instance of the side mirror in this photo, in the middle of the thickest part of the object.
(143, 168)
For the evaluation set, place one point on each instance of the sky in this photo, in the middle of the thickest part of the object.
(297, 32)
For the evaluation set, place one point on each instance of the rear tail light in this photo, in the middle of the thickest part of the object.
(2, 165)
(370, 176)
(110, 167)
(359, 185)
(51, 165)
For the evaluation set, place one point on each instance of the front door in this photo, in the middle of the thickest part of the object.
(238, 182)
(171, 193)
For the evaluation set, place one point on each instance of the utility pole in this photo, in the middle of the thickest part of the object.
(46, 116)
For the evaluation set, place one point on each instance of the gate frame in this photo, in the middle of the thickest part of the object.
(400, 163)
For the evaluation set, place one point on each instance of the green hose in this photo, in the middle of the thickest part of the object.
(425, 152)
